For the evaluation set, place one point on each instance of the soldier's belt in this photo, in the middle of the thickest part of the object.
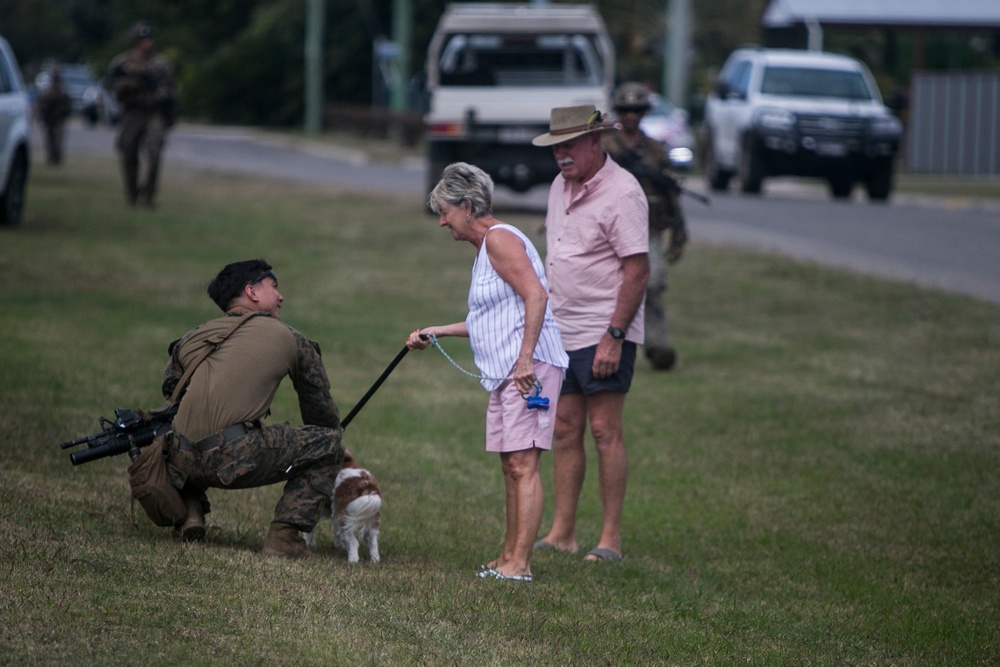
(223, 437)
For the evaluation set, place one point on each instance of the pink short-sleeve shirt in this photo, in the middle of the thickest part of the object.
(586, 237)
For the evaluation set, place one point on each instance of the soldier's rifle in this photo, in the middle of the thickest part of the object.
(127, 432)
(663, 182)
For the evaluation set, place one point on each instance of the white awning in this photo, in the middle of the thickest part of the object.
(910, 13)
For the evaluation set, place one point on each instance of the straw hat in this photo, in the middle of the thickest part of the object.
(567, 123)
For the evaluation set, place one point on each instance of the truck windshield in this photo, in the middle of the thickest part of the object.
(519, 60)
(815, 82)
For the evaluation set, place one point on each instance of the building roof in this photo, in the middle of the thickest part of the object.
(981, 14)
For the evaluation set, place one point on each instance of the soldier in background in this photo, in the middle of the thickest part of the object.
(648, 162)
(54, 107)
(143, 84)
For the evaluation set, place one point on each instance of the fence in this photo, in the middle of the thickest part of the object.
(955, 124)
(375, 122)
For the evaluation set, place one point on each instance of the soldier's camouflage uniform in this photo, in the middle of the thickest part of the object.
(144, 89)
(235, 385)
(54, 108)
(665, 214)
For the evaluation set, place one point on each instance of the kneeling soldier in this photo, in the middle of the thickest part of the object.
(218, 440)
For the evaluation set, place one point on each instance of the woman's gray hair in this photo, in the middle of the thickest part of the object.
(463, 182)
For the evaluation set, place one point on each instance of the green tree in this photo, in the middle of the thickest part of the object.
(255, 75)
(241, 61)
(38, 31)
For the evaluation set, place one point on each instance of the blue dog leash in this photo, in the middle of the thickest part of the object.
(535, 401)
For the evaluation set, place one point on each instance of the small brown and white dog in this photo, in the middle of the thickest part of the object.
(356, 513)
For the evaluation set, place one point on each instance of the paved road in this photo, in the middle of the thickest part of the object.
(240, 151)
(951, 245)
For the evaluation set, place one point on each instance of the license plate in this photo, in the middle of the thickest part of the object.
(516, 135)
(831, 149)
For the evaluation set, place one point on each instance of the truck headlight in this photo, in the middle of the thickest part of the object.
(775, 119)
(886, 125)
(682, 156)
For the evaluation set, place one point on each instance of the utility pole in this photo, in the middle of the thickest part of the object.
(402, 21)
(675, 56)
(315, 20)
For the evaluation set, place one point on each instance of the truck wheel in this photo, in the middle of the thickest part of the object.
(751, 169)
(438, 157)
(841, 187)
(879, 183)
(717, 177)
(434, 170)
(12, 201)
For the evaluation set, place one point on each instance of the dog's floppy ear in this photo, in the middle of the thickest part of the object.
(348, 460)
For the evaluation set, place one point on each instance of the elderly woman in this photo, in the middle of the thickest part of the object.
(516, 346)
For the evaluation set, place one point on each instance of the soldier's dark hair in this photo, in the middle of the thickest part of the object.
(229, 284)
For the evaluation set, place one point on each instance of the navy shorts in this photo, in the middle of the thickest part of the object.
(580, 378)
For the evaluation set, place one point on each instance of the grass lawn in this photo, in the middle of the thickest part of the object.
(817, 483)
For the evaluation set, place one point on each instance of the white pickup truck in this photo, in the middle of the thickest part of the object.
(495, 71)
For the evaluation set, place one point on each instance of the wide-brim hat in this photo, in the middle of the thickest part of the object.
(566, 123)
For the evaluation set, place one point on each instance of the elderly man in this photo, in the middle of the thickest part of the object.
(597, 243)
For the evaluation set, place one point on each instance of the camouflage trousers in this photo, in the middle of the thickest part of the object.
(141, 131)
(656, 314)
(55, 133)
(306, 458)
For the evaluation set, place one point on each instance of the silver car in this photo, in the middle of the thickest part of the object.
(15, 145)
(669, 126)
(90, 100)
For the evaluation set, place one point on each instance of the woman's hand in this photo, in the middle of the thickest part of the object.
(524, 376)
(418, 340)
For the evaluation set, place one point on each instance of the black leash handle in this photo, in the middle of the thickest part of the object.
(378, 383)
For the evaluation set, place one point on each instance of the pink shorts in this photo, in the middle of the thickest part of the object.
(511, 426)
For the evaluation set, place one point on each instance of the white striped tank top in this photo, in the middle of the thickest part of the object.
(496, 319)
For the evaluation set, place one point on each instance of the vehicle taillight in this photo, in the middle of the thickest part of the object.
(446, 130)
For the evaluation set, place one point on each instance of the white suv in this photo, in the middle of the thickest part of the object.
(778, 112)
(15, 149)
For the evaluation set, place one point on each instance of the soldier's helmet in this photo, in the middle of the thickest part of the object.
(631, 96)
(142, 30)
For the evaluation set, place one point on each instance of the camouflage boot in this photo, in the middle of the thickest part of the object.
(284, 539)
(130, 176)
(661, 358)
(193, 528)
